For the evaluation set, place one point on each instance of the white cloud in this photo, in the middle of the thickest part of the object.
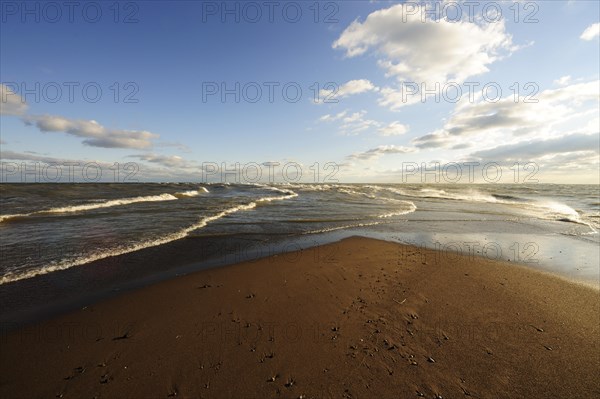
(393, 129)
(351, 124)
(395, 99)
(349, 88)
(591, 32)
(32, 156)
(573, 158)
(10, 102)
(163, 160)
(377, 152)
(95, 134)
(535, 149)
(356, 123)
(563, 81)
(485, 123)
(331, 118)
(143, 174)
(426, 51)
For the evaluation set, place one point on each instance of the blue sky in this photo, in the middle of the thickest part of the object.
(170, 53)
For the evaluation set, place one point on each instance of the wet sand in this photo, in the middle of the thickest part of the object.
(360, 318)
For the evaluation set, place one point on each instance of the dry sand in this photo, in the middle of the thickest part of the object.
(360, 318)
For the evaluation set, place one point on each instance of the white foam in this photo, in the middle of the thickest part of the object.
(354, 192)
(541, 209)
(192, 193)
(411, 208)
(288, 193)
(350, 226)
(98, 205)
(10, 277)
(555, 210)
(6, 217)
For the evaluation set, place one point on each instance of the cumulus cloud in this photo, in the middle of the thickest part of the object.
(11, 103)
(534, 149)
(563, 81)
(487, 122)
(351, 124)
(356, 123)
(393, 129)
(573, 158)
(94, 134)
(32, 156)
(379, 151)
(331, 117)
(396, 98)
(170, 161)
(349, 88)
(591, 32)
(411, 49)
(576, 166)
(73, 169)
(438, 138)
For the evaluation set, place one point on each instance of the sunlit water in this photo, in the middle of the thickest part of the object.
(49, 228)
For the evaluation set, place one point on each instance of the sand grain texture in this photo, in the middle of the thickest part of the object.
(360, 318)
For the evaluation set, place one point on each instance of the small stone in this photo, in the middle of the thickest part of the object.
(290, 383)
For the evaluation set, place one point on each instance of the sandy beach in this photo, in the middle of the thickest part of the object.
(300, 199)
(360, 318)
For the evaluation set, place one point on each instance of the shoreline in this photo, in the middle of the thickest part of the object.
(235, 252)
(348, 318)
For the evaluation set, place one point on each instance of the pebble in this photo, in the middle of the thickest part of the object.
(289, 383)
